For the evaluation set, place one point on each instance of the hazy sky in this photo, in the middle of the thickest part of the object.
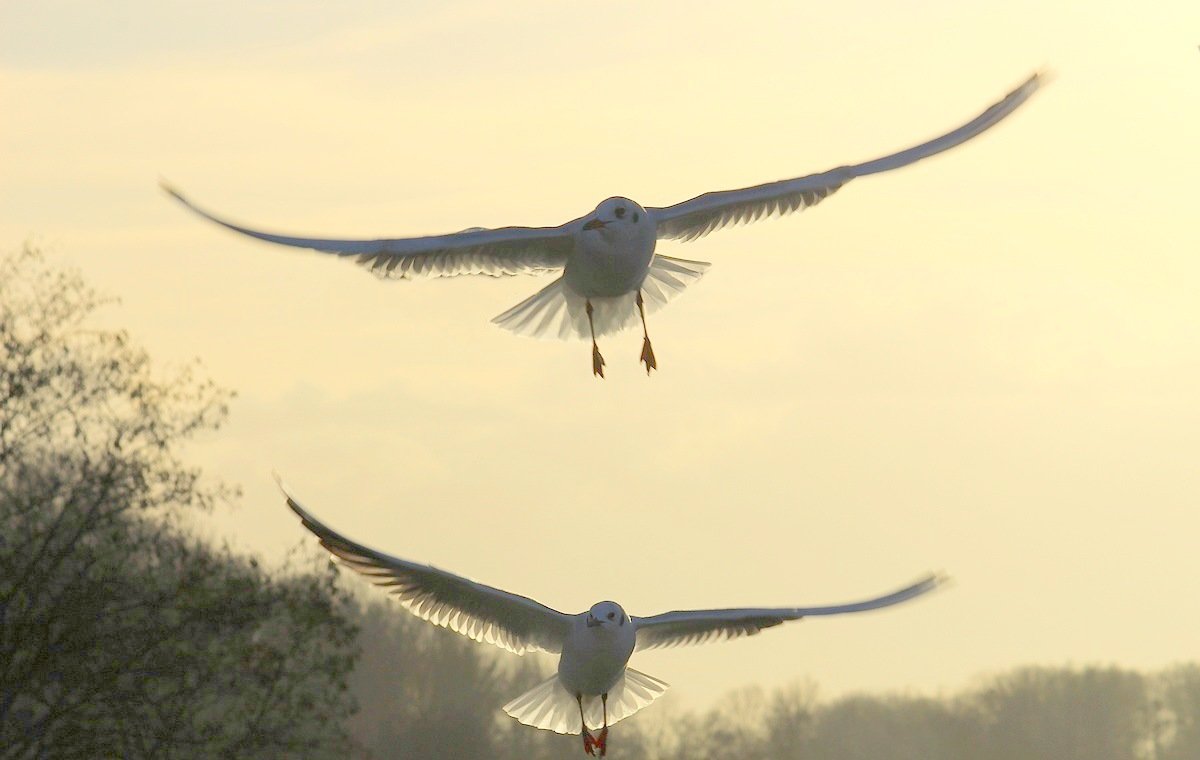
(987, 363)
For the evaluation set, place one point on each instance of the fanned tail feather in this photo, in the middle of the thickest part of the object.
(667, 278)
(549, 706)
(557, 311)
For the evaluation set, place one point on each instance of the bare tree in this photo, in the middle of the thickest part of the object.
(901, 727)
(1175, 724)
(423, 691)
(1062, 713)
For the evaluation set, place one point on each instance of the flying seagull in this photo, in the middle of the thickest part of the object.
(611, 275)
(594, 686)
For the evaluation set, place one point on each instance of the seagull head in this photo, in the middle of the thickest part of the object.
(606, 614)
(616, 214)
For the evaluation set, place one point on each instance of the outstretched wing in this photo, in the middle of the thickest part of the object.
(479, 612)
(699, 626)
(499, 252)
(704, 213)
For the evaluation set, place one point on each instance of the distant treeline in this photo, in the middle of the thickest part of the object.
(122, 635)
(424, 692)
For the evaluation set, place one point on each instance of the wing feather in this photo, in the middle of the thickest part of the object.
(477, 251)
(681, 628)
(705, 213)
(479, 612)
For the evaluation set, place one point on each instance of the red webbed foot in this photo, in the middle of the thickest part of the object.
(602, 741)
(590, 743)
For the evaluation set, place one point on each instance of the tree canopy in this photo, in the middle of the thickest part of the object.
(121, 634)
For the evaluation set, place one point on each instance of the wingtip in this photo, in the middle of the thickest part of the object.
(170, 190)
(291, 502)
(1036, 81)
(937, 580)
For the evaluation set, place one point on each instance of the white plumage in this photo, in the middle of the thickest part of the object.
(594, 687)
(550, 707)
(558, 311)
(608, 257)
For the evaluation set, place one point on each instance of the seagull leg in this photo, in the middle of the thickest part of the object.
(602, 739)
(597, 359)
(647, 351)
(589, 742)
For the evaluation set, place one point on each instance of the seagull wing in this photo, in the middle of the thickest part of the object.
(479, 612)
(498, 252)
(699, 626)
(701, 215)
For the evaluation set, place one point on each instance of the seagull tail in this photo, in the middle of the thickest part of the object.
(667, 278)
(551, 707)
(557, 311)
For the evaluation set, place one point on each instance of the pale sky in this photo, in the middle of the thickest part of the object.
(986, 363)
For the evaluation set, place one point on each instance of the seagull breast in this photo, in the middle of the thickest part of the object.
(611, 258)
(594, 656)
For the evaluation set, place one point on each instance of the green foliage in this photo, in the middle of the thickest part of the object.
(120, 634)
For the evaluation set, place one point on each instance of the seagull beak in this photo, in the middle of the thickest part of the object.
(592, 622)
(595, 224)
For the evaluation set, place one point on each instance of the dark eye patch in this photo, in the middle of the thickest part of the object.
(635, 217)
(620, 212)
(611, 615)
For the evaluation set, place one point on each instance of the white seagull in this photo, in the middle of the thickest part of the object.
(611, 275)
(593, 686)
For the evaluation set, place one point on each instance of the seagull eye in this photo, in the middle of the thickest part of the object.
(620, 212)
(635, 217)
(611, 615)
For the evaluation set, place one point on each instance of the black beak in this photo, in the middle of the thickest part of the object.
(595, 224)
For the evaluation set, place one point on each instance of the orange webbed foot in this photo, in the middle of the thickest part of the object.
(648, 356)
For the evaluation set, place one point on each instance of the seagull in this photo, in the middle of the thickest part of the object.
(594, 685)
(611, 274)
